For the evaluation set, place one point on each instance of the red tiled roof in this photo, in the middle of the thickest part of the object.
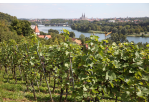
(36, 29)
(49, 36)
(78, 41)
(43, 36)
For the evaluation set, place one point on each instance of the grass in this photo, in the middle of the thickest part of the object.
(140, 35)
(99, 32)
(12, 92)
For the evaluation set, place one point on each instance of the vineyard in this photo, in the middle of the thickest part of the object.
(101, 71)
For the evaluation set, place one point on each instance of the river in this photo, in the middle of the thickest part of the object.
(78, 33)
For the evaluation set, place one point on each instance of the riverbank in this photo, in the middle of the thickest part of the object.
(99, 32)
(87, 34)
(138, 35)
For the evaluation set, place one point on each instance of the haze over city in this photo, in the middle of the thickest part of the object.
(75, 10)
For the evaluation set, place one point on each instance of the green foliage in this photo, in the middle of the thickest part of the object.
(26, 29)
(53, 31)
(114, 30)
(6, 33)
(82, 38)
(72, 34)
(7, 17)
(118, 71)
(118, 38)
(137, 31)
(22, 27)
(42, 33)
(124, 31)
(103, 25)
(87, 38)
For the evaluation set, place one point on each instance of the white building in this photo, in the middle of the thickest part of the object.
(112, 21)
(37, 32)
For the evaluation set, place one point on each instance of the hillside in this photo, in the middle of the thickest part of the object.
(5, 16)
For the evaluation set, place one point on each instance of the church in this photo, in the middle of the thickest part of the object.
(83, 17)
(37, 32)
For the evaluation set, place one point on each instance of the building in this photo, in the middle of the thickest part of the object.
(79, 42)
(37, 32)
(44, 36)
(127, 20)
(112, 21)
(83, 17)
(76, 41)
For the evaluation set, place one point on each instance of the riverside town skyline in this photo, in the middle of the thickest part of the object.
(75, 10)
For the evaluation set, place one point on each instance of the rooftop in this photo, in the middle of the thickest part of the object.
(36, 29)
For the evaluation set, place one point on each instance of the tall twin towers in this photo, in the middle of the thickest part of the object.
(83, 16)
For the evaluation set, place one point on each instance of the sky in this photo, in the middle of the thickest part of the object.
(75, 10)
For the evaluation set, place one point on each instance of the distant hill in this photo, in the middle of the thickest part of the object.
(5, 16)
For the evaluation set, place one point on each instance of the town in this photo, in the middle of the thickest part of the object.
(68, 52)
(83, 17)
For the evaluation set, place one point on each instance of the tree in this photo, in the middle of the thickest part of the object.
(7, 17)
(141, 29)
(72, 34)
(98, 28)
(120, 27)
(127, 26)
(119, 31)
(87, 38)
(144, 28)
(49, 42)
(26, 29)
(56, 41)
(82, 38)
(147, 28)
(124, 31)
(118, 38)
(114, 30)
(131, 31)
(42, 33)
(16, 25)
(6, 34)
(53, 31)
(137, 31)
(22, 27)
(106, 28)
